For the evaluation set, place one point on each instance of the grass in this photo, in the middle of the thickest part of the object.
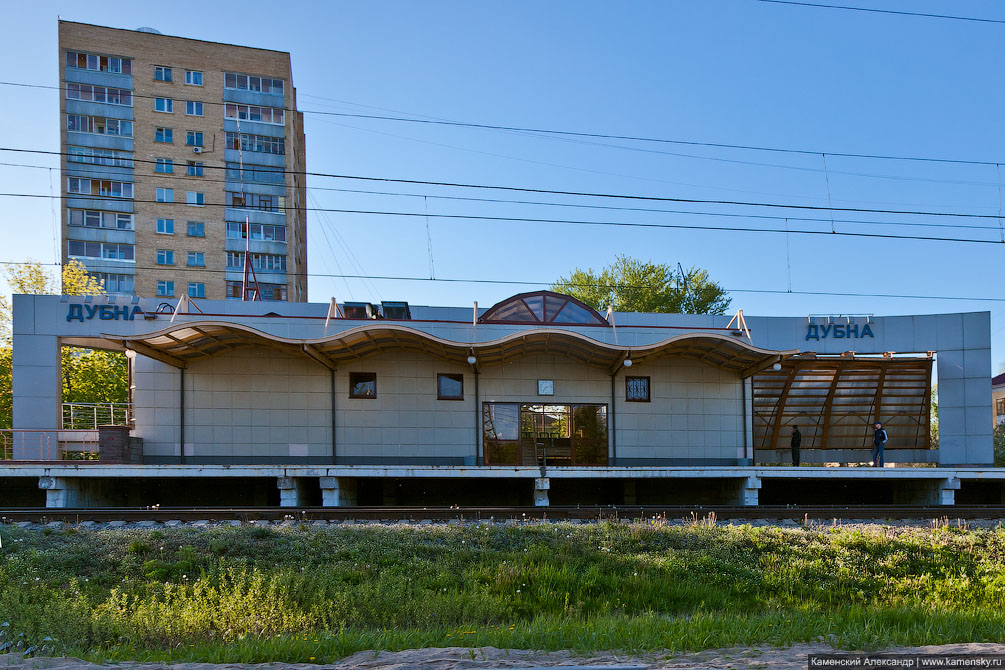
(300, 594)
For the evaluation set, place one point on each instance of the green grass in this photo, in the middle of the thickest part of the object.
(301, 594)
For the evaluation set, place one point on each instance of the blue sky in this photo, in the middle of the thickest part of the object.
(721, 71)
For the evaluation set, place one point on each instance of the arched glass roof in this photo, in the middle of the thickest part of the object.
(539, 307)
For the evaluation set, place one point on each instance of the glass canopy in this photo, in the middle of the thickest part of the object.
(541, 307)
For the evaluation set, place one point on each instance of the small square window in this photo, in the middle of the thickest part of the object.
(165, 135)
(165, 226)
(164, 105)
(197, 290)
(449, 387)
(196, 229)
(165, 288)
(164, 165)
(165, 257)
(165, 195)
(363, 385)
(637, 389)
(193, 138)
(195, 198)
(194, 169)
(193, 77)
(197, 259)
(162, 73)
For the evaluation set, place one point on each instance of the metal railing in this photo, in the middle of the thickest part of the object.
(83, 415)
(48, 445)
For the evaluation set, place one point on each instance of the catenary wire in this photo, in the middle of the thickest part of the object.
(874, 10)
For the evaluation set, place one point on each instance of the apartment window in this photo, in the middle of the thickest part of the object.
(86, 61)
(114, 282)
(162, 73)
(88, 93)
(637, 389)
(90, 218)
(193, 108)
(165, 288)
(165, 135)
(261, 262)
(193, 77)
(254, 113)
(194, 169)
(105, 187)
(164, 165)
(164, 105)
(196, 259)
(106, 250)
(196, 229)
(244, 82)
(363, 385)
(165, 195)
(96, 156)
(259, 231)
(255, 173)
(165, 226)
(195, 198)
(197, 290)
(80, 123)
(449, 387)
(193, 138)
(260, 143)
(165, 257)
(266, 203)
(270, 292)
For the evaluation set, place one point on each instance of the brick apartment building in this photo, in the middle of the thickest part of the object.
(175, 152)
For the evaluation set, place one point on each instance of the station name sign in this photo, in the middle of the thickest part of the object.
(103, 312)
(838, 331)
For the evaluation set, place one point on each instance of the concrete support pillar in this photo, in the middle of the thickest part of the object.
(338, 491)
(630, 498)
(750, 488)
(541, 487)
(928, 492)
(63, 492)
(291, 491)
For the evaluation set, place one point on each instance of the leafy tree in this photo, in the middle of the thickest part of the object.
(934, 417)
(999, 441)
(633, 285)
(88, 375)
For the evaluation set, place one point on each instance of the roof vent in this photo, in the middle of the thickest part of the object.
(397, 311)
(360, 310)
(148, 29)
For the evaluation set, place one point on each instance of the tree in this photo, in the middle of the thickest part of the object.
(999, 442)
(633, 285)
(933, 418)
(88, 375)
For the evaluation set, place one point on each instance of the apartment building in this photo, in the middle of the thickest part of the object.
(181, 158)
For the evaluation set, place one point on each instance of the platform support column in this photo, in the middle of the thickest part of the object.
(61, 492)
(541, 487)
(338, 491)
(947, 490)
(291, 491)
(928, 492)
(750, 488)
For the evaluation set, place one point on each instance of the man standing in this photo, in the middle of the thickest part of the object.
(879, 438)
(797, 439)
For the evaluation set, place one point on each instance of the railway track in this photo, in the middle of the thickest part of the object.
(419, 514)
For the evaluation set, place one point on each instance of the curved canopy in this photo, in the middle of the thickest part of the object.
(539, 307)
(182, 343)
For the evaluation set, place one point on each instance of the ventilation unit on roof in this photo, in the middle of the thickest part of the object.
(396, 310)
(148, 29)
(360, 310)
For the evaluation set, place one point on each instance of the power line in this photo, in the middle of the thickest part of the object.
(884, 11)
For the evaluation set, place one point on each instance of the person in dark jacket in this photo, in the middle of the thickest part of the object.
(879, 439)
(797, 439)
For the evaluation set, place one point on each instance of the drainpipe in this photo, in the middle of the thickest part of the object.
(181, 416)
(614, 423)
(332, 373)
(478, 432)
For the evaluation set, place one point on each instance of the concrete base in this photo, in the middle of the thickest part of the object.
(292, 491)
(541, 487)
(338, 491)
(72, 492)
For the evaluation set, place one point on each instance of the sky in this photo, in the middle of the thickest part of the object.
(737, 72)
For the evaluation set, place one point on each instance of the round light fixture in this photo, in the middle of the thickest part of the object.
(472, 360)
(628, 363)
(776, 367)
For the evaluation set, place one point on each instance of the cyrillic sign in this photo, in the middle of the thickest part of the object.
(837, 331)
(103, 312)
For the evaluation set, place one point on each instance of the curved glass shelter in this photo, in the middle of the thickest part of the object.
(539, 307)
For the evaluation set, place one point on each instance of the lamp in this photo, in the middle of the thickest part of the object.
(776, 367)
(472, 360)
(627, 363)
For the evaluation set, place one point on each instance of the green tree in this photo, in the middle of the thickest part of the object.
(88, 375)
(999, 441)
(633, 285)
(933, 418)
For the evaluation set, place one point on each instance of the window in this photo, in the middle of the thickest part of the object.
(637, 389)
(165, 195)
(197, 290)
(196, 229)
(164, 105)
(95, 156)
(193, 138)
(164, 165)
(88, 93)
(244, 82)
(105, 187)
(363, 385)
(113, 282)
(193, 108)
(165, 135)
(196, 259)
(266, 203)
(120, 252)
(254, 113)
(98, 219)
(165, 288)
(544, 434)
(261, 262)
(196, 198)
(165, 226)
(79, 123)
(86, 61)
(193, 77)
(165, 257)
(260, 143)
(270, 292)
(194, 169)
(162, 73)
(259, 231)
(255, 173)
(449, 387)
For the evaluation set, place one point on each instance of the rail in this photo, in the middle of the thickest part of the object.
(48, 445)
(82, 415)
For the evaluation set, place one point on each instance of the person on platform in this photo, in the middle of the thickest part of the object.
(797, 439)
(879, 439)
